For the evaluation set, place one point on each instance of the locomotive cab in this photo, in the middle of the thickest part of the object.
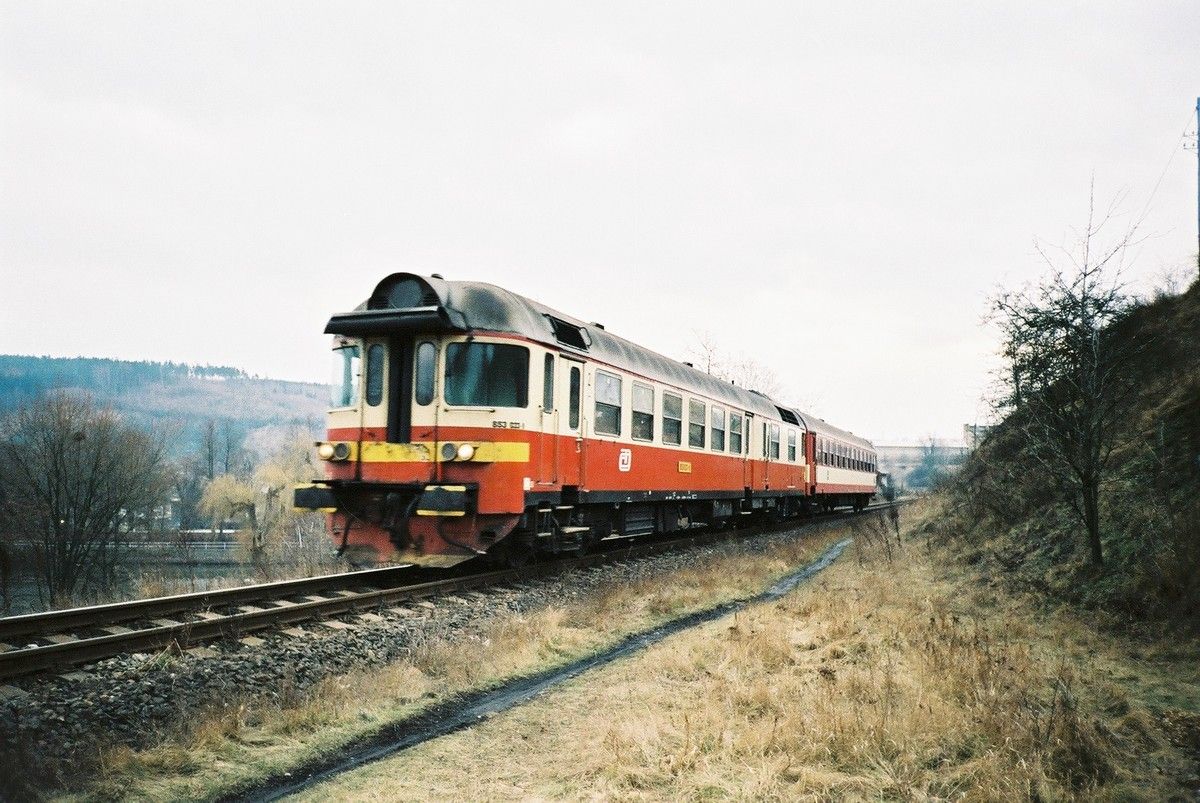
(428, 431)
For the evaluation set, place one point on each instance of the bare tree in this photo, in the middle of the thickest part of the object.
(271, 525)
(932, 469)
(71, 472)
(1065, 383)
(743, 371)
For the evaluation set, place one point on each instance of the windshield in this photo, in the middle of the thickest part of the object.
(487, 375)
(344, 382)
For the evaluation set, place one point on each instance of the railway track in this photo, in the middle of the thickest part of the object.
(61, 639)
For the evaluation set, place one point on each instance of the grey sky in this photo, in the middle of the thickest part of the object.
(833, 189)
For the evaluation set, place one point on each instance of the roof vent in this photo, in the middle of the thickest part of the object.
(568, 333)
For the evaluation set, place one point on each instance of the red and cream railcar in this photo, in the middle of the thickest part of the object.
(469, 420)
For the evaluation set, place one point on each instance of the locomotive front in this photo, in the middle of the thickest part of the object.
(429, 432)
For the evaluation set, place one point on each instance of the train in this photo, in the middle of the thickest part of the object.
(470, 422)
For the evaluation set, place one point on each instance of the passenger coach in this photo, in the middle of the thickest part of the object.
(468, 420)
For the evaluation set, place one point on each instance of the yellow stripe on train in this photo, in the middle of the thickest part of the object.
(430, 452)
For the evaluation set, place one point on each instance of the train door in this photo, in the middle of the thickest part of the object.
(569, 443)
(747, 426)
(765, 480)
(810, 460)
(755, 467)
(400, 390)
(547, 450)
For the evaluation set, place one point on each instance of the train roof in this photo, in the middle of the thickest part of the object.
(819, 426)
(408, 302)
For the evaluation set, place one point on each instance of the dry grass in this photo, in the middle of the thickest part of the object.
(244, 740)
(892, 676)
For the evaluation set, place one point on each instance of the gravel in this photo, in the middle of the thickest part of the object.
(52, 722)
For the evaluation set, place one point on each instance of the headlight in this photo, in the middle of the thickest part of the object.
(325, 451)
(449, 451)
(466, 451)
(341, 451)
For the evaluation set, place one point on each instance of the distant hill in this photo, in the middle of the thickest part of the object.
(182, 398)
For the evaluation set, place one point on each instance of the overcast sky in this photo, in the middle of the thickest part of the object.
(833, 189)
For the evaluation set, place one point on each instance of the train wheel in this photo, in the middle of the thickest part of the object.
(513, 552)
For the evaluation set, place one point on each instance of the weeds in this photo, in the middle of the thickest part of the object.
(888, 677)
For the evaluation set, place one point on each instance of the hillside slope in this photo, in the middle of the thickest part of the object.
(180, 398)
(1003, 511)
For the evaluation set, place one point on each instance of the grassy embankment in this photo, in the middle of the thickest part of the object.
(899, 672)
(241, 742)
(1005, 511)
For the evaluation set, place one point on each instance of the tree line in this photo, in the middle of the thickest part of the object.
(77, 479)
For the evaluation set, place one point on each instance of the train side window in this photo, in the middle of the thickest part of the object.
(696, 423)
(548, 384)
(643, 412)
(426, 364)
(735, 433)
(608, 403)
(792, 445)
(718, 429)
(573, 402)
(375, 375)
(774, 453)
(672, 419)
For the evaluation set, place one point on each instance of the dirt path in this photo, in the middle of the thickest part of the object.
(460, 714)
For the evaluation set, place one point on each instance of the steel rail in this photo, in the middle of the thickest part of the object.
(40, 657)
(32, 624)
